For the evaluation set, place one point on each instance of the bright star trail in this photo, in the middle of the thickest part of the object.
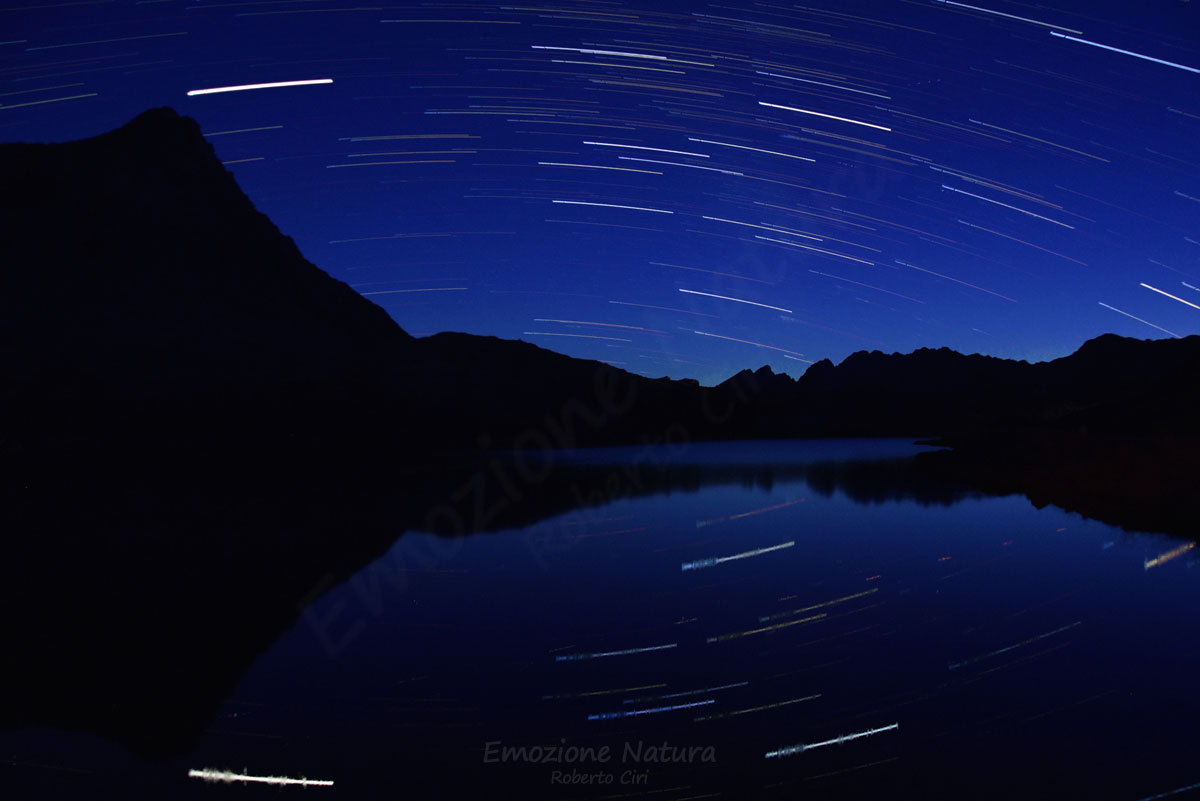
(1127, 53)
(245, 87)
(229, 777)
(898, 175)
(845, 738)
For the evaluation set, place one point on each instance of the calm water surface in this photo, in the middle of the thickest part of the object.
(717, 641)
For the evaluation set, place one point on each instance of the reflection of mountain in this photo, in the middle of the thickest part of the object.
(164, 595)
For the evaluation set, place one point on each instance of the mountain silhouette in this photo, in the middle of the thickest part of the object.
(149, 310)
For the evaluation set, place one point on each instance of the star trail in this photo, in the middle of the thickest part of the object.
(1004, 178)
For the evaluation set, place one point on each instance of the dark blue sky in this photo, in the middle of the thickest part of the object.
(992, 177)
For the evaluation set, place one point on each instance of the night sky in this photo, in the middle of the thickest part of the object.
(684, 188)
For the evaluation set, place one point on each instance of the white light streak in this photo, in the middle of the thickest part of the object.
(381, 163)
(735, 300)
(1043, 141)
(582, 322)
(845, 738)
(1169, 295)
(808, 247)
(596, 167)
(398, 291)
(106, 41)
(746, 342)
(1140, 320)
(609, 64)
(622, 53)
(818, 83)
(1010, 16)
(655, 149)
(868, 286)
(40, 88)
(243, 130)
(1126, 52)
(51, 100)
(574, 336)
(246, 86)
(763, 227)
(611, 206)
(663, 308)
(677, 164)
(955, 280)
(755, 149)
(819, 114)
(229, 776)
(1007, 206)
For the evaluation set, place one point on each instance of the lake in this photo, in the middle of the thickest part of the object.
(786, 619)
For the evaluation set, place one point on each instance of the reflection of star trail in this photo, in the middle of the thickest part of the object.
(845, 738)
(821, 605)
(229, 777)
(719, 560)
(1163, 558)
(625, 652)
(1014, 646)
(1176, 791)
(601, 692)
(685, 693)
(762, 708)
(712, 521)
(737, 635)
(630, 713)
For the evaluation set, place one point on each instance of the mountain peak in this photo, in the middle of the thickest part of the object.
(163, 117)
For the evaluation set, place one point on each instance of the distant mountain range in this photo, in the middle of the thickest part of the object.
(148, 313)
